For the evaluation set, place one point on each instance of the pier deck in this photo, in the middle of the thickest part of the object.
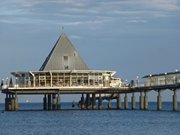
(86, 90)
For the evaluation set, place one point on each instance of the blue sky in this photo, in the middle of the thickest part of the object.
(133, 37)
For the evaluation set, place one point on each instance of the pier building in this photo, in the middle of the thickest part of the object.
(65, 72)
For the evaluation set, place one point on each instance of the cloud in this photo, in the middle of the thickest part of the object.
(137, 21)
(75, 37)
(84, 12)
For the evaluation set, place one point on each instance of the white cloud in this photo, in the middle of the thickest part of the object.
(80, 12)
(75, 37)
(167, 5)
(137, 21)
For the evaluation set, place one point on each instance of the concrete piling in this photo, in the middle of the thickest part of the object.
(58, 103)
(49, 101)
(6, 102)
(133, 101)
(145, 101)
(109, 104)
(159, 101)
(87, 101)
(126, 101)
(175, 103)
(119, 101)
(141, 101)
(82, 102)
(13, 103)
(93, 101)
(16, 102)
(45, 102)
(9, 103)
(100, 103)
(54, 102)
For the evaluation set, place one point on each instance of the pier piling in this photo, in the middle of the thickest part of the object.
(9, 103)
(49, 101)
(82, 102)
(141, 101)
(175, 103)
(45, 102)
(88, 104)
(54, 102)
(109, 104)
(145, 101)
(159, 101)
(119, 101)
(16, 102)
(100, 103)
(126, 101)
(13, 103)
(6, 102)
(93, 102)
(133, 101)
(58, 103)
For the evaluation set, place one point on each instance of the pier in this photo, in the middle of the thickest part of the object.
(65, 72)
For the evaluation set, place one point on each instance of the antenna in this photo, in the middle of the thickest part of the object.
(62, 28)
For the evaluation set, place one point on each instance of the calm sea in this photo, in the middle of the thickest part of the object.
(77, 122)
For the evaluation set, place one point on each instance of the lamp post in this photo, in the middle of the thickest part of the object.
(150, 79)
(137, 80)
(165, 78)
(176, 78)
(16, 82)
(7, 81)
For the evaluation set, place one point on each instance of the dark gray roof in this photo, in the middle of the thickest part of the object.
(64, 56)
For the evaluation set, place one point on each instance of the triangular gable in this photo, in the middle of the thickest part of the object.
(64, 56)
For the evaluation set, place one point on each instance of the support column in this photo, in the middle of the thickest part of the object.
(16, 102)
(9, 103)
(87, 101)
(58, 102)
(6, 102)
(159, 101)
(53, 101)
(145, 101)
(141, 101)
(126, 101)
(93, 102)
(49, 101)
(119, 101)
(109, 104)
(12, 103)
(82, 102)
(133, 101)
(45, 102)
(175, 103)
(100, 104)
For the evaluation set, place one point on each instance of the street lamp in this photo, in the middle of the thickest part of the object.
(137, 80)
(176, 77)
(16, 82)
(7, 81)
(165, 78)
(150, 79)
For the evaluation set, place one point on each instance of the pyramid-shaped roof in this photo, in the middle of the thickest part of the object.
(64, 56)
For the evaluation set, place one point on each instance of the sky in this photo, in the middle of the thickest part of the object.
(132, 37)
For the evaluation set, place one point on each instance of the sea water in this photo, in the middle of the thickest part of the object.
(31, 120)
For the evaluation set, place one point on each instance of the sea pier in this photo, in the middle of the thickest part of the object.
(65, 72)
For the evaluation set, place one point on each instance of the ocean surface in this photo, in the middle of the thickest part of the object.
(31, 120)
